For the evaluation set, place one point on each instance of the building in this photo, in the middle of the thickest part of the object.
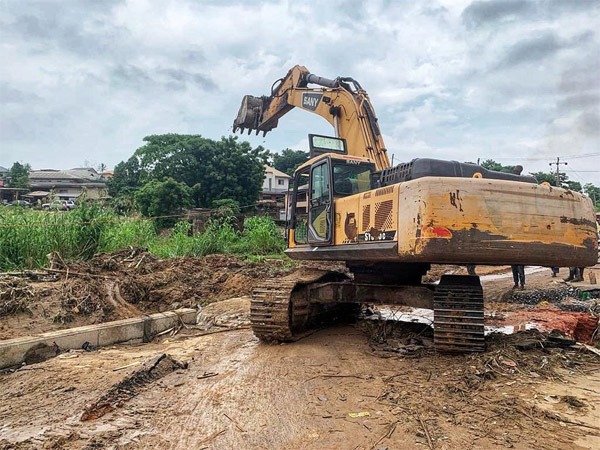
(69, 184)
(275, 186)
(273, 196)
(3, 174)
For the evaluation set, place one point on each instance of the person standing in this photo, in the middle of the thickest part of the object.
(575, 274)
(518, 271)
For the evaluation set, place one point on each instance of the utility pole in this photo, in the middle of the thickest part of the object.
(558, 163)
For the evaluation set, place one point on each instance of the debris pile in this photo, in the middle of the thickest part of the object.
(14, 296)
(151, 371)
(554, 294)
(120, 285)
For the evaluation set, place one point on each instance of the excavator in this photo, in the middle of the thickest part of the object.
(389, 224)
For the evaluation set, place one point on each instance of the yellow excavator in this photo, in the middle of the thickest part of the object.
(389, 224)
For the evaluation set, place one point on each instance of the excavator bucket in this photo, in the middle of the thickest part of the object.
(249, 115)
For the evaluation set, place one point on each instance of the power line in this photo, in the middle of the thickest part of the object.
(558, 163)
(587, 155)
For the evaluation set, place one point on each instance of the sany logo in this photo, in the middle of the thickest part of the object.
(310, 100)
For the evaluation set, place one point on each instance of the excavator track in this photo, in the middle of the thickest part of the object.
(280, 310)
(458, 315)
(270, 310)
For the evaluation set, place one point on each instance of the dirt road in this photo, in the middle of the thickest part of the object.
(332, 390)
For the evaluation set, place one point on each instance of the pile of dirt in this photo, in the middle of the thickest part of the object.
(123, 284)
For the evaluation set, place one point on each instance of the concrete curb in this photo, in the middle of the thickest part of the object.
(139, 329)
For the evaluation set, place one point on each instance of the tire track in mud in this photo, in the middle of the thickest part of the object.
(292, 396)
(235, 406)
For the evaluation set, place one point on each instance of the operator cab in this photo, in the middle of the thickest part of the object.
(329, 174)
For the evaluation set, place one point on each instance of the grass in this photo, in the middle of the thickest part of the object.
(27, 237)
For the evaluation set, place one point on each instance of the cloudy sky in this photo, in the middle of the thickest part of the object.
(513, 80)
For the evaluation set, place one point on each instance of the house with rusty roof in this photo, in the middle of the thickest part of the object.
(68, 184)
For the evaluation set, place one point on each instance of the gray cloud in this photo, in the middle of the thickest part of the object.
(84, 29)
(89, 79)
(531, 50)
(143, 79)
(483, 12)
(580, 101)
(581, 77)
(490, 12)
(589, 123)
(11, 95)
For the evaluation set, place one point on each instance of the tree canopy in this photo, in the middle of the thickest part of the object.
(490, 164)
(163, 198)
(289, 160)
(225, 169)
(18, 175)
(594, 193)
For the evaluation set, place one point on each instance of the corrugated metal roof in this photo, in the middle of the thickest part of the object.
(77, 175)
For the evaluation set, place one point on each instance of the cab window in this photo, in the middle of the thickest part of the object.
(351, 178)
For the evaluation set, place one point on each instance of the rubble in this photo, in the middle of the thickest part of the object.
(153, 369)
(119, 285)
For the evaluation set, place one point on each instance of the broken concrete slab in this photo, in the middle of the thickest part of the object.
(139, 329)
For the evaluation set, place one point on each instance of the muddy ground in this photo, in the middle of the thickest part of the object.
(358, 386)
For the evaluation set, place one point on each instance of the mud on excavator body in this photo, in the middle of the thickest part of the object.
(389, 226)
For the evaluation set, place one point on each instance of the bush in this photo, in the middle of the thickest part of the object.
(129, 232)
(260, 237)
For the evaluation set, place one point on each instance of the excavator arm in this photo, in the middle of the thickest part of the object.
(342, 102)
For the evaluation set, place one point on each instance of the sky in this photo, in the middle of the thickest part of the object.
(518, 81)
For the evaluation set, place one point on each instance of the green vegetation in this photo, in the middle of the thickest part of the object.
(289, 160)
(211, 170)
(18, 175)
(163, 198)
(27, 237)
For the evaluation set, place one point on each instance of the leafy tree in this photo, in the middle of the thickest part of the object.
(490, 164)
(550, 178)
(228, 204)
(214, 169)
(126, 177)
(18, 175)
(289, 160)
(593, 192)
(574, 186)
(163, 198)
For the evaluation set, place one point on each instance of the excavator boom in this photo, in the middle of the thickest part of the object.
(342, 102)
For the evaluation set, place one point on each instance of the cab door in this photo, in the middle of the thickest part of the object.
(320, 204)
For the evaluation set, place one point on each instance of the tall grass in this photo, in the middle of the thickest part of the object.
(27, 237)
(127, 232)
(260, 237)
